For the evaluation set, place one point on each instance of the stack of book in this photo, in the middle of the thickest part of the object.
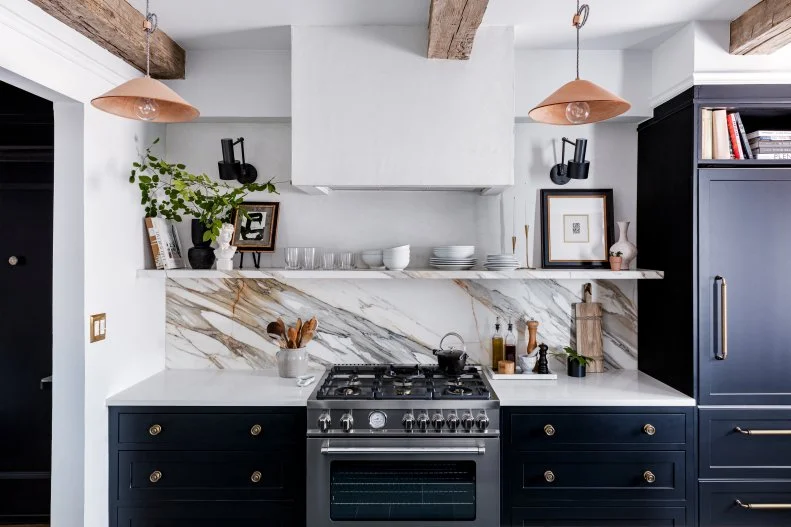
(770, 144)
(723, 136)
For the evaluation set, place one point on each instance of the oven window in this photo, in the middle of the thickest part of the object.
(402, 490)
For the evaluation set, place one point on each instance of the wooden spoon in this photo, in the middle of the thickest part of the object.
(298, 327)
(307, 336)
(292, 338)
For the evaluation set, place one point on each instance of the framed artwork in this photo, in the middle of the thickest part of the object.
(576, 228)
(257, 231)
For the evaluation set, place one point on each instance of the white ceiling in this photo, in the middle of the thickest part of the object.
(263, 24)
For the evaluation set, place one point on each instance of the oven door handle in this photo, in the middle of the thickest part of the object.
(385, 450)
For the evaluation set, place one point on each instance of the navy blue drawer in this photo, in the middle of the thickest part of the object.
(552, 430)
(719, 507)
(193, 431)
(727, 453)
(579, 475)
(173, 476)
(206, 515)
(598, 517)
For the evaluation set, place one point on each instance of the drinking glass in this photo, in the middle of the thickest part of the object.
(346, 259)
(292, 258)
(328, 260)
(309, 258)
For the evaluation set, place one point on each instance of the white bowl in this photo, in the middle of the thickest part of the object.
(402, 248)
(372, 260)
(396, 263)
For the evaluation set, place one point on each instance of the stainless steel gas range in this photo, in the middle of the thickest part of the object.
(403, 445)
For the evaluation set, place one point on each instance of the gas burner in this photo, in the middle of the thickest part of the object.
(458, 389)
(403, 390)
(402, 382)
(345, 391)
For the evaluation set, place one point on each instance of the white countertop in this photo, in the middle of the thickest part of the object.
(618, 388)
(215, 388)
(265, 388)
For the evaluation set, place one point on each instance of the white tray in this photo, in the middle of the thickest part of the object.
(519, 376)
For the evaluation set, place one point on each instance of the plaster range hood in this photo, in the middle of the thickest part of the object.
(371, 112)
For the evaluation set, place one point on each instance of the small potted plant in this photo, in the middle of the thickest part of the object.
(576, 362)
(616, 259)
(169, 190)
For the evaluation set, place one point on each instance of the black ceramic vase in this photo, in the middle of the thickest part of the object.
(201, 255)
(576, 369)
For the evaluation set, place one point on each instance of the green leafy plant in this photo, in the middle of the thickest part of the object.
(572, 355)
(617, 254)
(170, 191)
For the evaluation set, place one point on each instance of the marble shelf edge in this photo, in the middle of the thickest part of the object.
(408, 274)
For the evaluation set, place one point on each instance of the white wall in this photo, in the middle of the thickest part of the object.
(238, 83)
(368, 109)
(539, 72)
(357, 220)
(99, 218)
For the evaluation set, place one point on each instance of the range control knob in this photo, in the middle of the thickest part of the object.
(347, 422)
(408, 421)
(422, 421)
(467, 421)
(325, 422)
(453, 421)
(482, 422)
(437, 421)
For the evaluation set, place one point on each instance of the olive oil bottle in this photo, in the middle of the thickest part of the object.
(498, 345)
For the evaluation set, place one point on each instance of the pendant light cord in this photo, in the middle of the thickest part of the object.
(580, 17)
(149, 27)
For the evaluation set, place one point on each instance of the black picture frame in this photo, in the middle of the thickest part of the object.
(546, 195)
(267, 243)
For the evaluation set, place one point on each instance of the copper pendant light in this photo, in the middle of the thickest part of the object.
(579, 101)
(144, 98)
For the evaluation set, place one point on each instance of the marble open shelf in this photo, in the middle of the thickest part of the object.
(409, 274)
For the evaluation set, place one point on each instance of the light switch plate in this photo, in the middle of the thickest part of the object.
(98, 327)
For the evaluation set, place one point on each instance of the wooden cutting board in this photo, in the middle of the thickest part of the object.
(589, 332)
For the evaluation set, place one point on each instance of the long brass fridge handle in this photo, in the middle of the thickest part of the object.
(763, 506)
(723, 318)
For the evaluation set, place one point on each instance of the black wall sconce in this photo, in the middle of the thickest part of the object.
(230, 168)
(576, 169)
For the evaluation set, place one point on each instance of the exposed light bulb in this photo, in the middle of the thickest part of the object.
(147, 109)
(578, 112)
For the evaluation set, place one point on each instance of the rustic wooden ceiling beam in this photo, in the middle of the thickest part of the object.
(763, 29)
(452, 26)
(118, 27)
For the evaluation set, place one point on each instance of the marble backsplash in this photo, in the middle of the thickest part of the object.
(221, 323)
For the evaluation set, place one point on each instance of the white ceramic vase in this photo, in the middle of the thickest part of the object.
(624, 246)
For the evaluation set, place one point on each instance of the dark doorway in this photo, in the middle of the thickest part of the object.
(26, 185)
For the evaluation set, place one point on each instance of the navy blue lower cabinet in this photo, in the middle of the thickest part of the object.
(598, 466)
(745, 504)
(203, 467)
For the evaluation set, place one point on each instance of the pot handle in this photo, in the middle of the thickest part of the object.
(436, 351)
(451, 334)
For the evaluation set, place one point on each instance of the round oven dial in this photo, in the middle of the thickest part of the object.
(467, 421)
(408, 421)
(482, 422)
(377, 419)
(437, 421)
(422, 421)
(347, 422)
(453, 421)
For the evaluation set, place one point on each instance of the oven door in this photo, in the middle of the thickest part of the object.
(403, 481)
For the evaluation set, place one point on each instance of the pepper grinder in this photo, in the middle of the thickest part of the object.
(532, 328)
(542, 366)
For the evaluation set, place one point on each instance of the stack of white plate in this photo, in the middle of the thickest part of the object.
(453, 258)
(396, 258)
(501, 262)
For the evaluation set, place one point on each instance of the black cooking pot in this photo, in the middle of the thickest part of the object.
(452, 361)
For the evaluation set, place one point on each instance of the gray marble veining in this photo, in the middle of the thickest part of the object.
(221, 322)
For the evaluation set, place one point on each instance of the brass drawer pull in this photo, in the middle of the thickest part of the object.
(549, 476)
(155, 476)
(255, 430)
(649, 476)
(255, 477)
(549, 430)
(762, 432)
(764, 506)
(155, 430)
(649, 429)
(723, 318)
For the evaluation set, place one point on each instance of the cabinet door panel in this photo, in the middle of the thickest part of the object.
(770, 504)
(598, 517)
(744, 236)
(228, 514)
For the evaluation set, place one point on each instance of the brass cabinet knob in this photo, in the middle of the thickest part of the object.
(255, 477)
(549, 430)
(155, 476)
(549, 476)
(154, 430)
(649, 429)
(13, 260)
(255, 430)
(649, 476)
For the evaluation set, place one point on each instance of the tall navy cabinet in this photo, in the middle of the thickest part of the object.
(717, 327)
